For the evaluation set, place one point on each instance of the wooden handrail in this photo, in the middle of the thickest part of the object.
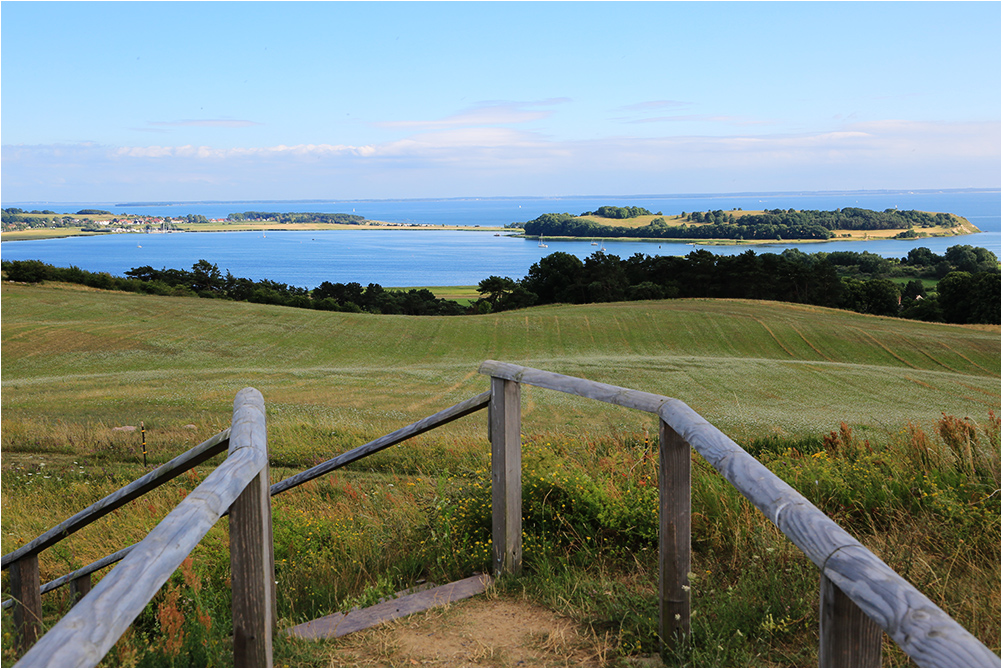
(436, 420)
(166, 472)
(457, 411)
(924, 631)
(91, 628)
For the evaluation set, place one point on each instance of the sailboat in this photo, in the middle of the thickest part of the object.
(541, 244)
(594, 243)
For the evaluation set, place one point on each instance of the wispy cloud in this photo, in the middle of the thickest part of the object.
(497, 159)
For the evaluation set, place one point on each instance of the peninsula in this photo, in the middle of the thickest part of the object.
(737, 225)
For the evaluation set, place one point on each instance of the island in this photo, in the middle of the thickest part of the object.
(736, 225)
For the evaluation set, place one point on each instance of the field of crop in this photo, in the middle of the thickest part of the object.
(78, 363)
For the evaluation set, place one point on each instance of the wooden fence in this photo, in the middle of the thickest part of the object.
(239, 484)
(859, 595)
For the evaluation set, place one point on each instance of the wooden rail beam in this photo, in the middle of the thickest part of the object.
(457, 411)
(92, 626)
(216, 444)
(924, 631)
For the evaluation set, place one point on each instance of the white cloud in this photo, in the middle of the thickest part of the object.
(496, 160)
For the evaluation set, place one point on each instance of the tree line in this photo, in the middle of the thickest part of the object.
(967, 290)
(718, 224)
(297, 217)
(966, 280)
(206, 281)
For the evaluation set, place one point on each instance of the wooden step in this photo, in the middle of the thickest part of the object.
(338, 624)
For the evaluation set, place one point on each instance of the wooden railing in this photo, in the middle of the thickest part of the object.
(859, 594)
(239, 485)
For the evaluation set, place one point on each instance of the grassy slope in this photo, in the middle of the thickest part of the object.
(962, 225)
(77, 362)
(81, 355)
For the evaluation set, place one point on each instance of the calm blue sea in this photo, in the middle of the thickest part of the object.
(443, 258)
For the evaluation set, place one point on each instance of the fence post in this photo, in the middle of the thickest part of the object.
(673, 537)
(80, 587)
(505, 428)
(252, 572)
(26, 588)
(847, 638)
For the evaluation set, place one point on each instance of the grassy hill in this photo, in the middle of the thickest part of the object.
(72, 354)
(78, 363)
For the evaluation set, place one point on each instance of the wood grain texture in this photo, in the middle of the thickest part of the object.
(80, 587)
(252, 572)
(847, 637)
(339, 624)
(506, 476)
(27, 602)
(920, 628)
(88, 631)
(453, 413)
(252, 579)
(673, 537)
(166, 472)
(76, 574)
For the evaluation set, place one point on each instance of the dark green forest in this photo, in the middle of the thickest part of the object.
(296, 217)
(772, 224)
(962, 286)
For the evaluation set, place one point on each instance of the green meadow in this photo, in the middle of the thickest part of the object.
(851, 402)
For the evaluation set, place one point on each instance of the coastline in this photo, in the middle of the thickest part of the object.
(59, 233)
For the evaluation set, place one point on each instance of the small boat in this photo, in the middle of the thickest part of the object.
(541, 244)
(594, 243)
(139, 246)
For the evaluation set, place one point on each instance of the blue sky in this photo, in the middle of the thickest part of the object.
(123, 101)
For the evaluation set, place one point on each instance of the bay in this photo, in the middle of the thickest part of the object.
(429, 257)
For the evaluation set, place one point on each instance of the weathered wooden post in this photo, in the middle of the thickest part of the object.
(80, 587)
(506, 475)
(252, 577)
(26, 588)
(847, 638)
(673, 537)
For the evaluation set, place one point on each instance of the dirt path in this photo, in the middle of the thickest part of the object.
(484, 631)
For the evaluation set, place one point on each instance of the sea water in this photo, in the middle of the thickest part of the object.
(429, 257)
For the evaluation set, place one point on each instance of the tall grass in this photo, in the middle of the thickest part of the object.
(890, 427)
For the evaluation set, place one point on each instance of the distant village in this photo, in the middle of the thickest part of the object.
(100, 221)
(97, 221)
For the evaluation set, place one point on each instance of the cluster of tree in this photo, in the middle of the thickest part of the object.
(14, 218)
(968, 291)
(568, 225)
(848, 218)
(94, 212)
(610, 212)
(206, 281)
(297, 217)
(717, 224)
